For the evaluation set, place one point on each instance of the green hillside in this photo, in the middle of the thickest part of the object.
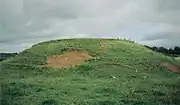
(119, 73)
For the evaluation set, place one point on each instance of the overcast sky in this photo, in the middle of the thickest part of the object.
(26, 22)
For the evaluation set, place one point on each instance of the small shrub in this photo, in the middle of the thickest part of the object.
(50, 102)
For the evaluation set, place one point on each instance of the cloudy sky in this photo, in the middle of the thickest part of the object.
(26, 22)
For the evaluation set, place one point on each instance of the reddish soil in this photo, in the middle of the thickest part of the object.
(171, 66)
(68, 59)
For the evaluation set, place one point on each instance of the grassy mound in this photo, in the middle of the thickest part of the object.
(122, 73)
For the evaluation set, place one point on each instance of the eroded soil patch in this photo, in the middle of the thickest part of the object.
(103, 44)
(171, 66)
(68, 59)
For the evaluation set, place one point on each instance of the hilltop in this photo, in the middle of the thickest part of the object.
(90, 72)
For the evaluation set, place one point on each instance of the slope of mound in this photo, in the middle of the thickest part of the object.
(120, 73)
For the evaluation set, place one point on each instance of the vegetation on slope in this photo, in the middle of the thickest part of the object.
(123, 73)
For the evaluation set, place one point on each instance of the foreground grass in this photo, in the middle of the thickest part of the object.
(124, 73)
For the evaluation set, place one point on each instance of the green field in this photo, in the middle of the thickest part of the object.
(123, 73)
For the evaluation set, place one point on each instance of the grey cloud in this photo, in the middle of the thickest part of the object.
(167, 5)
(26, 22)
(163, 36)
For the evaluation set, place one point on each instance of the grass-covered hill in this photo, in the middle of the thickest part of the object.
(119, 73)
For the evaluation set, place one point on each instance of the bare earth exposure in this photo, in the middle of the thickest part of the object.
(68, 59)
(171, 66)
